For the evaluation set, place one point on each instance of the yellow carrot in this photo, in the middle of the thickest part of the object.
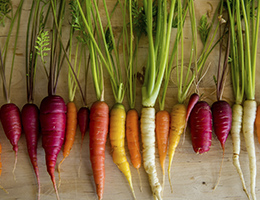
(178, 119)
(117, 139)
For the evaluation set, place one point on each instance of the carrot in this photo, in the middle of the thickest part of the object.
(83, 121)
(201, 127)
(148, 127)
(257, 123)
(71, 127)
(9, 112)
(132, 138)
(245, 33)
(30, 122)
(11, 122)
(53, 124)
(98, 130)
(162, 129)
(178, 116)
(248, 132)
(194, 98)
(222, 120)
(117, 139)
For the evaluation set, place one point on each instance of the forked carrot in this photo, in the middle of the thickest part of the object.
(71, 127)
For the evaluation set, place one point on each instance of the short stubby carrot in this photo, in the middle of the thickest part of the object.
(11, 121)
(132, 137)
(71, 127)
(53, 123)
(201, 127)
(117, 139)
(31, 126)
(162, 130)
(98, 130)
(178, 120)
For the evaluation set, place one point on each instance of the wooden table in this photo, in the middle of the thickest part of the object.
(193, 176)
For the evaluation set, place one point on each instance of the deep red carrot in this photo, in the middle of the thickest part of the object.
(53, 124)
(194, 98)
(200, 122)
(30, 122)
(98, 130)
(222, 119)
(11, 122)
(83, 121)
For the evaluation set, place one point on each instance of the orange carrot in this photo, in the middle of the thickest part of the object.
(71, 127)
(257, 123)
(132, 137)
(162, 129)
(98, 130)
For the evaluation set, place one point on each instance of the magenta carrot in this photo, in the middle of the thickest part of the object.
(194, 98)
(83, 121)
(222, 119)
(11, 122)
(201, 127)
(30, 122)
(53, 123)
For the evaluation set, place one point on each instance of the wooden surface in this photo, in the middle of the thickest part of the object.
(193, 176)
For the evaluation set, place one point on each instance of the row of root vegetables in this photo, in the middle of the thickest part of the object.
(93, 44)
(100, 119)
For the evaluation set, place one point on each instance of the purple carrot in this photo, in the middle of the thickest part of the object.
(83, 120)
(30, 122)
(201, 127)
(11, 122)
(53, 123)
(222, 120)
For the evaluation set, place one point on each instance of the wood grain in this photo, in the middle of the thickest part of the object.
(193, 176)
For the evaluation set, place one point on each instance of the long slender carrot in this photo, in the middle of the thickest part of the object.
(98, 130)
(31, 128)
(178, 119)
(71, 128)
(117, 139)
(132, 138)
(162, 130)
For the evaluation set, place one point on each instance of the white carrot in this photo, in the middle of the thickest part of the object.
(248, 131)
(148, 139)
(237, 112)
